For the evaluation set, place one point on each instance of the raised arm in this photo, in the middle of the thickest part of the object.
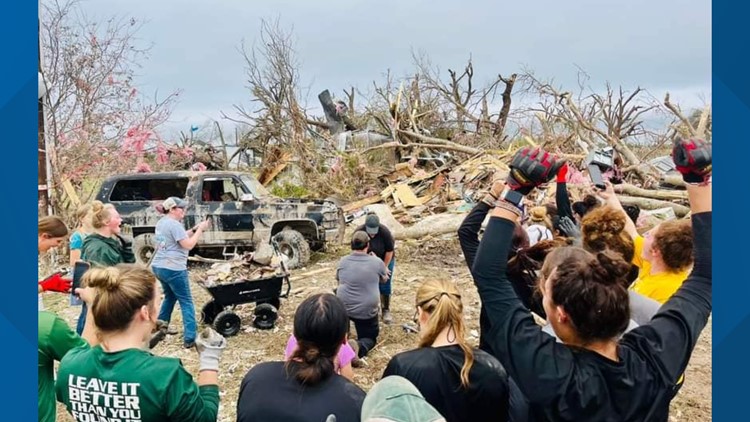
(468, 233)
(674, 330)
(539, 365)
(562, 200)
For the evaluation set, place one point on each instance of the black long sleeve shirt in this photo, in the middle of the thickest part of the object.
(562, 200)
(563, 383)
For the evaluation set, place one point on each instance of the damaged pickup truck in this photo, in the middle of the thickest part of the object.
(244, 215)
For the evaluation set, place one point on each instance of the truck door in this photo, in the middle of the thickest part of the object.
(219, 197)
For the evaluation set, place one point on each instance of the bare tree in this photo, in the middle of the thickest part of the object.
(98, 121)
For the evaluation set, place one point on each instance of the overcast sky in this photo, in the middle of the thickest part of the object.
(661, 45)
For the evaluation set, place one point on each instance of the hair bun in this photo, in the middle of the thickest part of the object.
(613, 265)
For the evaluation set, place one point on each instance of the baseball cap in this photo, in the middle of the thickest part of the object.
(395, 399)
(173, 202)
(372, 224)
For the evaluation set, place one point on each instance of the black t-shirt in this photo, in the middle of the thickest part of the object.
(267, 394)
(382, 242)
(436, 372)
(563, 383)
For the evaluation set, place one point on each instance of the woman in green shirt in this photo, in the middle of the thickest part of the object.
(119, 378)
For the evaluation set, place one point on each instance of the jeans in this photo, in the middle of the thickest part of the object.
(176, 286)
(367, 334)
(82, 319)
(385, 288)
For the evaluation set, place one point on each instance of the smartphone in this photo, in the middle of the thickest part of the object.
(595, 173)
(79, 269)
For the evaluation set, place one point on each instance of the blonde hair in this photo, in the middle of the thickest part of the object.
(52, 226)
(100, 214)
(442, 300)
(83, 215)
(121, 291)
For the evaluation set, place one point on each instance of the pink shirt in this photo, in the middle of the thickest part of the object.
(345, 356)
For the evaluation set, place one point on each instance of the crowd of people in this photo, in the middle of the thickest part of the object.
(582, 318)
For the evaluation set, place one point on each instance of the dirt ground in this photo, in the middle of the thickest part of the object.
(435, 258)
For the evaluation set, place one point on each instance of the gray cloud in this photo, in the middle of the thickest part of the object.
(660, 45)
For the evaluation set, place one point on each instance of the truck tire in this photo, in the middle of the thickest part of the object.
(143, 248)
(293, 247)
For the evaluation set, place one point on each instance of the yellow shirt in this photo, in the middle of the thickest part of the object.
(659, 287)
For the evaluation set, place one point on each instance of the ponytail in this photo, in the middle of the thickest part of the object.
(442, 301)
(320, 326)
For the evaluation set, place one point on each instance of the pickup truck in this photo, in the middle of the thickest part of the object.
(243, 214)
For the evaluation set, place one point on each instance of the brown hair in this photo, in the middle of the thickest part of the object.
(591, 288)
(52, 226)
(604, 228)
(121, 291)
(442, 300)
(320, 326)
(583, 207)
(674, 240)
(100, 214)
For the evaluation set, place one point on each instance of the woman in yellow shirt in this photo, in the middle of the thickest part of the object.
(664, 255)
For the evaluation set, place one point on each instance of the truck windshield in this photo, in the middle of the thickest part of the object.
(254, 186)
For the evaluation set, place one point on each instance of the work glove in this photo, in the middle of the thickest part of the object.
(210, 346)
(569, 228)
(56, 283)
(692, 157)
(531, 168)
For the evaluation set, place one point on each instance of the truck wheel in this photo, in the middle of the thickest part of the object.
(227, 323)
(143, 248)
(265, 316)
(293, 247)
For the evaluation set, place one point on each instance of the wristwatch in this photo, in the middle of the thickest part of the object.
(512, 196)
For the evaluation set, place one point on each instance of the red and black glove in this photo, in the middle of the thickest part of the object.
(692, 157)
(531, 168)
(56, 283)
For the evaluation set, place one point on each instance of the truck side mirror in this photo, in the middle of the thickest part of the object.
(247, 197)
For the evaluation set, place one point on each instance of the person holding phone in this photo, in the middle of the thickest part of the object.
(169, 264)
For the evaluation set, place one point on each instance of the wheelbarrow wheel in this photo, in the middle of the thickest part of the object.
(209, 312)
(227, 323)
(265, 316)
(276, 302)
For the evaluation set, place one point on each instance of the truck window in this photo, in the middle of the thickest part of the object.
(148, 189)
(221, 189)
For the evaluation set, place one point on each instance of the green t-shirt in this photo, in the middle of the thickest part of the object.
(55, 340)
(132, 385)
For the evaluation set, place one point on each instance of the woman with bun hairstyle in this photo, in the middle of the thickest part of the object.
(605, 228)
(305, 388)
(119, 378)
(594, 374)
(462, 383)
(104, 247)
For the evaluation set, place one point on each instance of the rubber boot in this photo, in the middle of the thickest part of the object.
(385, 303)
